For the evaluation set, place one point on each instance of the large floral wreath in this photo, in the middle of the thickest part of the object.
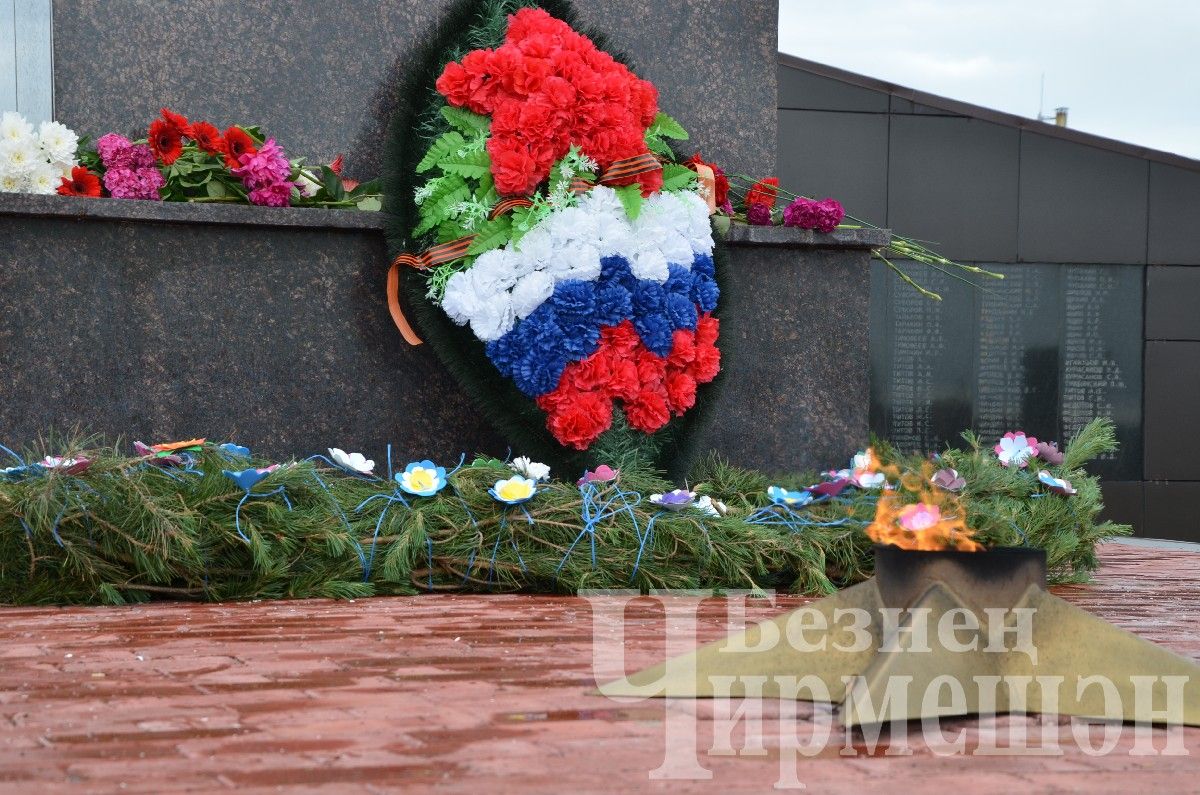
(554, 222)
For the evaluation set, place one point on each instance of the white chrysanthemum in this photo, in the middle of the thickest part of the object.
(13, 127)
(18, 156)
(44, 179)
(64, 167)
(13, 183)
(57, 140)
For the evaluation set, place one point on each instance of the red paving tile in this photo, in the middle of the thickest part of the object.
(478, 693)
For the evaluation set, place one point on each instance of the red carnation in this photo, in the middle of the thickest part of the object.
(622, 338)
(681, 392)
(707, 364)
(763, 192)
(649, 411)
(707, 330)
(579, 420)
(683, 349)
(237, 143)
(179, 122)
(651, 369)
(81, 183)
(623, 380)
(208, 138)
(336, 165)
(591, 373)
(166, 141)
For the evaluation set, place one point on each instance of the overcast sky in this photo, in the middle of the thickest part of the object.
(1127, 69)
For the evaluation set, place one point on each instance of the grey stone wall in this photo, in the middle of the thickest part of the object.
(269, 327)
(321, 76)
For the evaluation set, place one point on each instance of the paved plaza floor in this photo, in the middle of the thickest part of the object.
(475, 693)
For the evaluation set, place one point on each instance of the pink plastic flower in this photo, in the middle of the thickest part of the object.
(919, 516)
(1015, 449)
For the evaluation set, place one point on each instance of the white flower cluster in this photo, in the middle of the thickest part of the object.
(507, 284)
(34, 162)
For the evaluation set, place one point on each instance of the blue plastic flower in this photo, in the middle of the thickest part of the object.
(679, 280)
(249, 478)
(1056, 485)
(500, 352)
(581, 338)
(513, 491)
(648, 297)
(422, 478)
(235, 449)
(792, 499)
(615, 270)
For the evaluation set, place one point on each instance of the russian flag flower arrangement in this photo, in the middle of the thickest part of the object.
(558, 227)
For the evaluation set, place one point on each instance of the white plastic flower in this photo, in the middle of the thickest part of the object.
(13, 127)
(712, 507)
(1015, 449)
(44, 179)
(57, 140)
(531, 292)
(531, 469)
(355, 462)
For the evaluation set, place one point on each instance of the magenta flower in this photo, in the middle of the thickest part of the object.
(920, 516)
(278, 194)
(123, 182)
(266, 167)
(1049, 452)
(758, 214)
(821, 216)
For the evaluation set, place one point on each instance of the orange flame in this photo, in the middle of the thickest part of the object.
(938, 521)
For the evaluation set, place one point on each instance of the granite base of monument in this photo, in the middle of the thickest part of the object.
(269, 327)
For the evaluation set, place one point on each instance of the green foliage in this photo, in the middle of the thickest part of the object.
(466, 122)
(493, 234)
(631, 200)
(676, 177)
(127, 531)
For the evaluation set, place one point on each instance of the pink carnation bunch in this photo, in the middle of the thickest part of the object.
(130, 171)
(823, 216)
(266, 174)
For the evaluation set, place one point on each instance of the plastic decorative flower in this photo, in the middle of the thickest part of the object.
(191, 445)
(919, 516)
(1015, 449)
(249, 478)
(530, 468)
(1049, 452)
(602, 474)
(160, 458)
(355, 462)
(71, 466)
(792, 499)
(1056, 485)
(948, 479)
(708, 505)
(234, 449)
(675, 500)
(830, 488)
(422, 478)
(513, 491)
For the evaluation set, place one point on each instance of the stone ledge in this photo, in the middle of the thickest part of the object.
(186, 213)
(744, 234)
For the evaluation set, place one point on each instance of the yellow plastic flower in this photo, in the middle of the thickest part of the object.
(515, 490)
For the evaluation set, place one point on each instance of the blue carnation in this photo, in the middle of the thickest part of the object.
(681, 311)
(500, 351)
(705, 292)
(615, 270)
(679, 281)
(580, 338)
(538, 371)
(574, 298)
(655, 331)
(703, 264)
(613, 304)
(648, 297)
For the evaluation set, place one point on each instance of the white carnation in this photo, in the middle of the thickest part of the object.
(649, 263)
(495, 318)
(57, 140)
(460, 300)
(531, 292)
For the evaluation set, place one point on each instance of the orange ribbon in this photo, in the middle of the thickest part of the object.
(442, 253)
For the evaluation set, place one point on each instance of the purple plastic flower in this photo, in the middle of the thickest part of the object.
(601, 474)
(675, 500)
(830, 488)
(1049, 452)
(758, 214)
(948, 479)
